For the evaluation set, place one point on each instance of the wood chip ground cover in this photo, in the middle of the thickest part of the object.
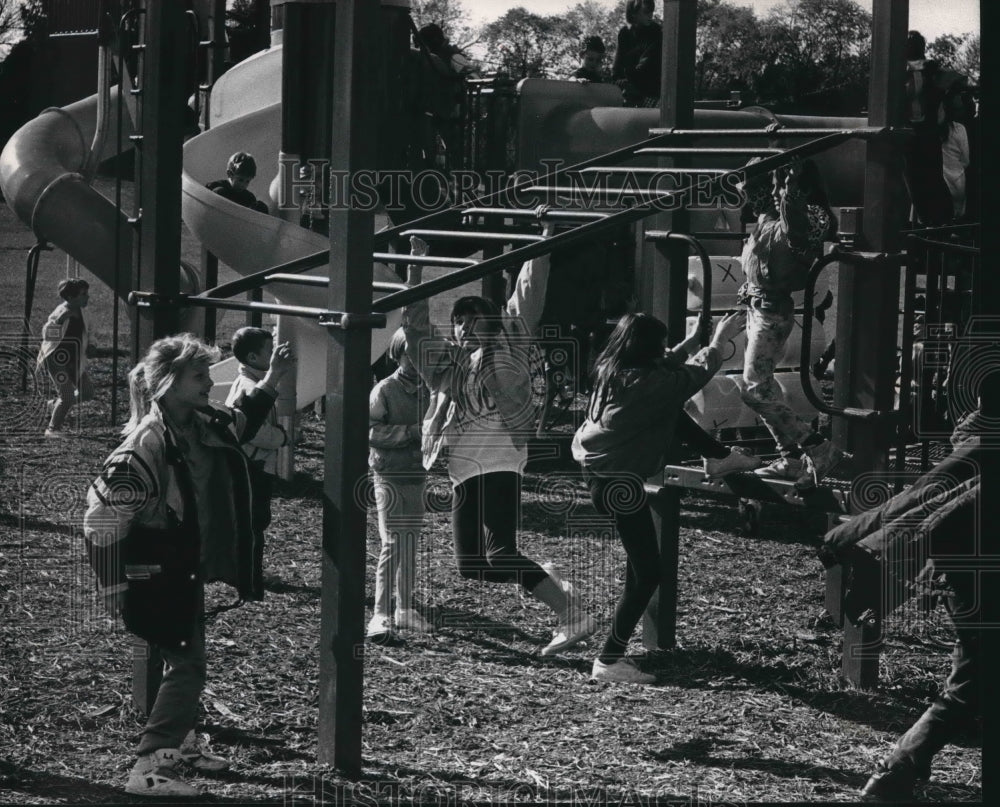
(748, 707)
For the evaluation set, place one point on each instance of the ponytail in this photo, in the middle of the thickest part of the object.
(139, 398)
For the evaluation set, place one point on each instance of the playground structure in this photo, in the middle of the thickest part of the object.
(45, 171)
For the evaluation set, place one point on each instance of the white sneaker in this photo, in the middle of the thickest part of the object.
(154, 775)
(820, 460)
(379, 627)
(567, 635)
(622, 671)
(782, 468)
(739, 459)
(194, 751)
(57, 434)
(575, 625)
(410, 619)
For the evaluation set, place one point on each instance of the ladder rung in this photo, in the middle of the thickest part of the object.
(817, 132)
(603, 191)
(727, 150)
(423, 260)
(466, 235)
(724, 235)
(528, 213)
(622, 169)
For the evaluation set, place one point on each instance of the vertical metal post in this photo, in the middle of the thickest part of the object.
(356, 79)
(668, 282)
(168, 45)
(659, 628)
(168, 41)
(210, 272)
(867, 302)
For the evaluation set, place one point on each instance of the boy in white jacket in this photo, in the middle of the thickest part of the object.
(252, 347)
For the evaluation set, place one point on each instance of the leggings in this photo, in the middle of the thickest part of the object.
(697, 439)
(484, 513)
(623, 497)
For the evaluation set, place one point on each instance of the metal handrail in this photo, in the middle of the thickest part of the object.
(583, 232)
(592, 229)
(706, 275)
(876, 260)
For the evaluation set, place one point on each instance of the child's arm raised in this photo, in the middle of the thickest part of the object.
(527, 301)
(425, 352)
(253, 408)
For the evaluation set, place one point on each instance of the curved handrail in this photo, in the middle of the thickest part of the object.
(876, 260)
(706, 276)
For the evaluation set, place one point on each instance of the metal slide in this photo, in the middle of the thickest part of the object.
(245, 115)
(42, 176)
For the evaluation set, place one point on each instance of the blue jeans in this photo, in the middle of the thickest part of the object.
(178, 699)
(958, 702)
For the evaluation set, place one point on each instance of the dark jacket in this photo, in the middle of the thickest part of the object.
(635, 429)
(241, 197)
(637, 61)
(141, 525)
(885, 550)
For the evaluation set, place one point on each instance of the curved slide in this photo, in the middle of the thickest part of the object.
(246, 116)
(41, 174)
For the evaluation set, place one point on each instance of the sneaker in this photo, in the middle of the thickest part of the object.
(154, 775)
(575, 625)
(379, 628)
(739, 459)
(410, 619)
(622, 671)
(890, 784)
(820, 460)
(782, 468)
(194, 751)
(57, 434)
(571, 632)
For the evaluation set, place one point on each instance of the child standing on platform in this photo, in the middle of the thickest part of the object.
(481, 409)
(253, 348)
(169, 513)
(398, 475)
(634, 415)
(63, 353)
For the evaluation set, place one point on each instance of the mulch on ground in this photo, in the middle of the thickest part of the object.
(748, 707)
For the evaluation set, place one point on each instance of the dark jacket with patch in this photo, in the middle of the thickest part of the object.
(141, 526)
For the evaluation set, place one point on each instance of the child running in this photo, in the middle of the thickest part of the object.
(169, 513)
(791, 228)
(398, 475)
(253, 348)
(633, 416)
(63, 353)
(481, 410)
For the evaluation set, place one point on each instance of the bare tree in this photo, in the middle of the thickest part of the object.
(10, 25)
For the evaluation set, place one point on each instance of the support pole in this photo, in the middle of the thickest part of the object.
(868, 302)
(356, 83)
(659, 628)
(667, 284)
(168, 45)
